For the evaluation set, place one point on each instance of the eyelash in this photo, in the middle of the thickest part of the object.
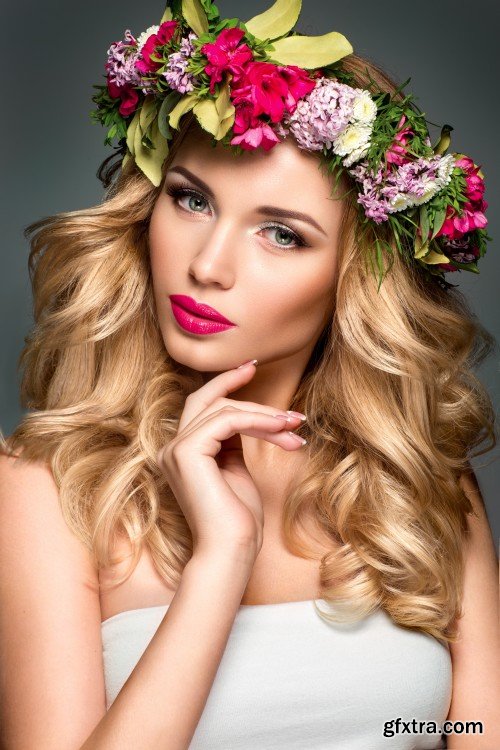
(176, 191)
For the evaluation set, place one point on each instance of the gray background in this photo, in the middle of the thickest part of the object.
(54, 52)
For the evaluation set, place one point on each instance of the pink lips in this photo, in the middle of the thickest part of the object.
(196, 317)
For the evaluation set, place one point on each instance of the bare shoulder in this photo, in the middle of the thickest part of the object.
(52, 687)
(475, 656)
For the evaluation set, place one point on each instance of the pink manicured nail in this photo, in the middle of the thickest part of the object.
(302, 440)
(245, 364)
(297, 414)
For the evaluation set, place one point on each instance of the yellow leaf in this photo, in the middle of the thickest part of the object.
(276, 21)
(311, 51)
(126, 160)
(147, 112)
(420, 249)
(216, 116)
(434, 257)
(167, 16)
(131, 132)
(224, 126)
(182, 106)
(225, 110)
(193, 12)
(207, 115)
(150, 161)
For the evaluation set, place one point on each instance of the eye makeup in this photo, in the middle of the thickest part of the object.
(177, 191)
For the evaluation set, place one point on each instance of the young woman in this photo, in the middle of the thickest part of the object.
(165, 531)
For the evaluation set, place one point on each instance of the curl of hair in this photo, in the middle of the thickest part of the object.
(394, 409)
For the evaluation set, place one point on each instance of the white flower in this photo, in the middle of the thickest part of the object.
(401, 201)
(445, 168)
(364, 108)
(353, 137)
(356, 155)
(431, 188)
(142, 38)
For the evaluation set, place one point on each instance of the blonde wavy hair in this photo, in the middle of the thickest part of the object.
(394, 409)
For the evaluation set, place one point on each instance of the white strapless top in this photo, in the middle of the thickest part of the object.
(288, 680)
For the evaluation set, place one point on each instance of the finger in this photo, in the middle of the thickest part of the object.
(293, 418)
(220, 385)
(207, 438)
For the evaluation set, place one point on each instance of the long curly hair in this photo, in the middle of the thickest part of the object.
(394, 409)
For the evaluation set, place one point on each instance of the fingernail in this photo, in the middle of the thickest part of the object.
(302, 440)
(249, 362)
(297, 414)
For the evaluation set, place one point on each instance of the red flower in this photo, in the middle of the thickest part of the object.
(251, 131)
(475, 183)
(127, 94)
(271, 89)
(226, 53)
(162, 37)
(299, 84)
(396, 154)
(471, 215)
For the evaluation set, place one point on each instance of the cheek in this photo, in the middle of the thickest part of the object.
(298, 303)
(161, 242)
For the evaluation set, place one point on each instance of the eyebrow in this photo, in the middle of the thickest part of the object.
(282, 213)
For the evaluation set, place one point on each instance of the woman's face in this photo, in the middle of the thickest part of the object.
(234, 245)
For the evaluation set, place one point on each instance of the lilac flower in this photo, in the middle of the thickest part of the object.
(322, 115)
(120, 65)
(410, 184)
(177, 76)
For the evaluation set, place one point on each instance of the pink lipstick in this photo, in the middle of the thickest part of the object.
(198, 317)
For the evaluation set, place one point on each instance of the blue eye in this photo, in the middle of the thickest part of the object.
(177, 192)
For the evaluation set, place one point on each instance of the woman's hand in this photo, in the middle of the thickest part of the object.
(204, 463)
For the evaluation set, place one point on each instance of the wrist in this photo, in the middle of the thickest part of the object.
(239, 558)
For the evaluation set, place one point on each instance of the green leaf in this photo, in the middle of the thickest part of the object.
(276, 21)
(195, 16)
(438, 221)
(311, 51)
(424, 222)
(166, 106)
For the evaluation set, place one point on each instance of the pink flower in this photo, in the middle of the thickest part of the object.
(127, 94)
(263, 92)
(396, 154)
(251, 131)
(162, 37)
(469, 218)
(272, 89)
(475, 183)
(226, 53)
(299, 84)
(471, 215)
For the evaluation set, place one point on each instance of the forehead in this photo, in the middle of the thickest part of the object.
(285, 168)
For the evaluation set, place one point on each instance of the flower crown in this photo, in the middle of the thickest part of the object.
(251, 84)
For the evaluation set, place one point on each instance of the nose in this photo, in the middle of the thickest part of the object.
(216, 258)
